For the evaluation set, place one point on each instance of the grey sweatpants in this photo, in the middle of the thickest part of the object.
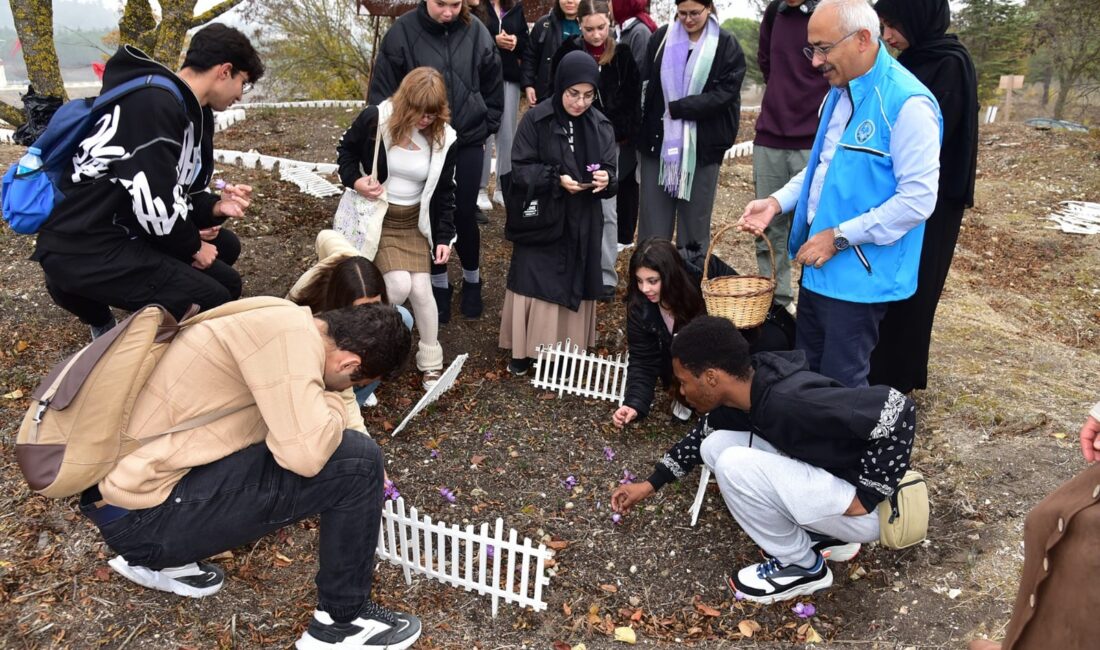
(776, 498)
(771, 169)
(659, 213)
(509, 120)
(609, 246)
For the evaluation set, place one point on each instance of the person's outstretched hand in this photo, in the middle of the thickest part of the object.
(1090, 440)
(627, 495)
(758, 214)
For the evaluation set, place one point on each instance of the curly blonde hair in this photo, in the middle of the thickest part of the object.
(422, 92)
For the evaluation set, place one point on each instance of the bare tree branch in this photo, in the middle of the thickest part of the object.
(214, 12)
(11, 114)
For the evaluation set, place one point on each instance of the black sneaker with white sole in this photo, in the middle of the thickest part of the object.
(195, 580)
(374, 628)
(771, 581)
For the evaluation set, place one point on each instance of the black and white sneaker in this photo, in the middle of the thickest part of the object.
(374, 628)
(195, 580)
(520, 367)
(833, 549)
(771, 581)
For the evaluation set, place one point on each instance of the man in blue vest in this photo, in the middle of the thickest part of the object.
(861, 202)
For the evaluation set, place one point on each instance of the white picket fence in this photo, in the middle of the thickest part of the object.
(253, 159)
(568, 369)
(446, 380)
(225, 119)
(463, 558)
(309, 182)
(1077, 217)
(320, 103)
(739, 150)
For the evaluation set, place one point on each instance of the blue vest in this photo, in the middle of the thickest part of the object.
(861, 177)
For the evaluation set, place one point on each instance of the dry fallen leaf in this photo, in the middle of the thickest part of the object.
(561, 645)
(812, 636)
(579, 646)
(705, 609)
(748, 627)
(477, 459)
(636, 616)
(558, 544)
(566, 609)
(626, 635)
(594, 614)
(282, 560)
(21, 345)
(15, 394)
(387, 426)
(546, 396)
(609, 588)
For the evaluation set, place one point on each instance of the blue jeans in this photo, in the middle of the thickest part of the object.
(837, 336)
(247, 495)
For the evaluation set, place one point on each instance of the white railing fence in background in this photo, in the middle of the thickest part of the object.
(739, 150)
(446, 380)
(308, 182)
(489, 565)
(991, 115)
(568, 369)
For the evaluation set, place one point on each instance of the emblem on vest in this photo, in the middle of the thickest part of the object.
(864, 131)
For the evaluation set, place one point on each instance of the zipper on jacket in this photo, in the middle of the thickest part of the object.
(862, 258)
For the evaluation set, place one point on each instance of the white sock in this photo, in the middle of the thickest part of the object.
(473, 277)
(439, 280)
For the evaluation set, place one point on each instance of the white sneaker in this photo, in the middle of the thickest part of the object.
(371, 401)
(374, 628)
(483, 202)
(498, 198)
(680, 411)
(195, 580)
(623, 247)
(771, 582)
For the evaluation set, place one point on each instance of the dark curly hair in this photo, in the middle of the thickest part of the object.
(216, 44)
(712, 342)
(375, 333)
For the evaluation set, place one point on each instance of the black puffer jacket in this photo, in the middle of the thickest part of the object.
(544, 41)
(620, 89)
(466, 56)
(355, 157)
(716, 111)
(565, 271)
(514, 24)
(861, 435)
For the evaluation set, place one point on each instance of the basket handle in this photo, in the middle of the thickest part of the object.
(714, 240)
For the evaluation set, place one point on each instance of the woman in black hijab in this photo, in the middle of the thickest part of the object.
(917, 29)
(563, 163)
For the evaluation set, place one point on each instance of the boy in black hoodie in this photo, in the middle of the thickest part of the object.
(137, 225)
(801, 461)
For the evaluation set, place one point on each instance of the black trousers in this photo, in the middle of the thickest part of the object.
(627, 196)
(468, 161)
(247, 495)
(900, 359)
(135, 274)
(837, 336)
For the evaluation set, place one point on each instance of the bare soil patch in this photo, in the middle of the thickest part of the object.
(1014, 369)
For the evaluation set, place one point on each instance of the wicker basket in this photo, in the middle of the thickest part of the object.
(743, 299)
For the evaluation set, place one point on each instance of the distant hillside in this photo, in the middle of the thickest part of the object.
(71, 14)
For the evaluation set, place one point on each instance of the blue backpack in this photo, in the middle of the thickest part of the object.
(29, 198)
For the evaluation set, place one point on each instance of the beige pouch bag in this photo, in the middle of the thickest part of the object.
(903, 518)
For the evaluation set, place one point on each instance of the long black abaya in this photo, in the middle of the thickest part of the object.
(942, 64)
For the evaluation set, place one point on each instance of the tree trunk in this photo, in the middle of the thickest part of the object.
(34, 25)
(175, 20)
(138, 27)
(1064, 88)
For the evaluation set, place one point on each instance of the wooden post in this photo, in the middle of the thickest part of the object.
(1008, 83)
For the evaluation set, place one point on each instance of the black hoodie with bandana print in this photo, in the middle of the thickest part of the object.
(142, 171)
(861, 435)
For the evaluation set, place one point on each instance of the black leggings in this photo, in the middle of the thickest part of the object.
(468, 161)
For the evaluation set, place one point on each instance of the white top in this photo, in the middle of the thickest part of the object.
(408, 171)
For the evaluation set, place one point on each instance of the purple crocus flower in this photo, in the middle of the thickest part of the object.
(628, 477)
(804, 610)
(447, 494)
(616, 518)
(609, 454)
(489, 551)
(435, 453)
(570, 482)
(488, 436)
(594, 167)
(219, 184)
(390, 491)
(738, 596)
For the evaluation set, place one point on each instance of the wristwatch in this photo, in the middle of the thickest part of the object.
(840, 242)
